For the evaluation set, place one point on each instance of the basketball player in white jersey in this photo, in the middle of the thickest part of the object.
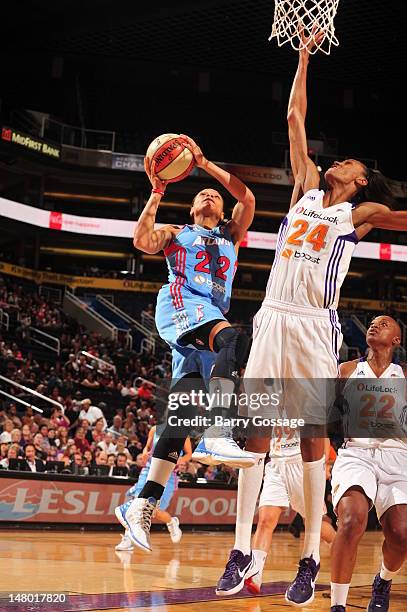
(282, 488)
(296, 333)
(372, 470)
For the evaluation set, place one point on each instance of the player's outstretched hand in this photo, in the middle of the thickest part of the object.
(310, 42)
(155, 181)
(200, 159)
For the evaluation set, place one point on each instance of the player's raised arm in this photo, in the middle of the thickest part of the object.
(305, 172)
(369, 215)
(146, 238)
(243, 211)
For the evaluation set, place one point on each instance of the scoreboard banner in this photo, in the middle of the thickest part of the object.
(121, 228)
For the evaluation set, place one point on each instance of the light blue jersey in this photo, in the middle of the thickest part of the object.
(201, 266)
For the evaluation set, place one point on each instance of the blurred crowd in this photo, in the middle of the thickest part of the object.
(108, 396)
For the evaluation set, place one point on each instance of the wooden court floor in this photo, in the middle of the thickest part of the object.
(174, 578)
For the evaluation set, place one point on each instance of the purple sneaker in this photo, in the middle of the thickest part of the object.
(380, 595)
(238, 568)
(301, 592)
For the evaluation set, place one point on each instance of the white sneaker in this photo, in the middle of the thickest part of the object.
(136, 519)
(175, 531)
(216, 450)
(125, 544)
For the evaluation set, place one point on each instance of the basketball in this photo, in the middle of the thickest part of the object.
(173, 161)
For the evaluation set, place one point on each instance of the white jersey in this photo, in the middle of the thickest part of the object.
(313, 253)
(383, 404)
(285, 442)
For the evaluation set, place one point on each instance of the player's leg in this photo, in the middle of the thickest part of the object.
(261, 364)
(163, 515)
(352, 510)
(136, 516)
(312, 375)
(354, 486)
(261, 544)
(328, 532)
(394, 523)
(231, 347)
(245, 563)
(391, 507)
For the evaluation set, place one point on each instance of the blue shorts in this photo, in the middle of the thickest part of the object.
(173, 323)
(169, 490)
(187, 360)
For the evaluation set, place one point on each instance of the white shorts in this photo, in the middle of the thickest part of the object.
(381, 473)
(282, 484)
(295, 353)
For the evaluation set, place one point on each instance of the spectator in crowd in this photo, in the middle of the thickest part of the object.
(38, 446)
(128, 389)
(136, 468)
(12, 453)
(90, 381)
(26, 437)
(4, 446)
(101, 458)
(52, 436)
(91, 413)
(16, 436)
(80, 441)
(117, 428)
(33, 462)
(77, 465)
(107, 444)
(8, 427)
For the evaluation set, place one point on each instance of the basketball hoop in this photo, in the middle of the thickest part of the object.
(291, 17)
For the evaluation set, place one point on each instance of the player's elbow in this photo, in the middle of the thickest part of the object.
(294, 117)
(141, 244)
(250, 200)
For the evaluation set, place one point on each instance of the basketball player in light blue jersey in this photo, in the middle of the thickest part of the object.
(190, 317)
(172, 522)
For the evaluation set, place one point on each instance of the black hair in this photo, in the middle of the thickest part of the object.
(376, 190)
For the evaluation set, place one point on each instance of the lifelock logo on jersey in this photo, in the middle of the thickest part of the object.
(202, 240)
(300, 210)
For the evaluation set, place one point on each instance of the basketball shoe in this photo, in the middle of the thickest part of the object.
(253, 584)
(338, 609)
(174, 530)
(380, 595)
(125, 544)
(218, 446)
(135, 516)
(301, 592)
(239, 568)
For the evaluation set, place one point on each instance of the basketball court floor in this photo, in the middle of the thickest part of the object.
(83, 568)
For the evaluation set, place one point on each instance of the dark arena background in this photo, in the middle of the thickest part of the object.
(85, 87)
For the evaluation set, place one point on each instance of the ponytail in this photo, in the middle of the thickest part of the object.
(376, 190)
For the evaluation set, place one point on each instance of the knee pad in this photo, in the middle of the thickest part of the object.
(232, 348)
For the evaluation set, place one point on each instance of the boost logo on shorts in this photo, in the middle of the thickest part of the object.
(301, 255)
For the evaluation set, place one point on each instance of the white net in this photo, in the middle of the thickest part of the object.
(299, 21)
